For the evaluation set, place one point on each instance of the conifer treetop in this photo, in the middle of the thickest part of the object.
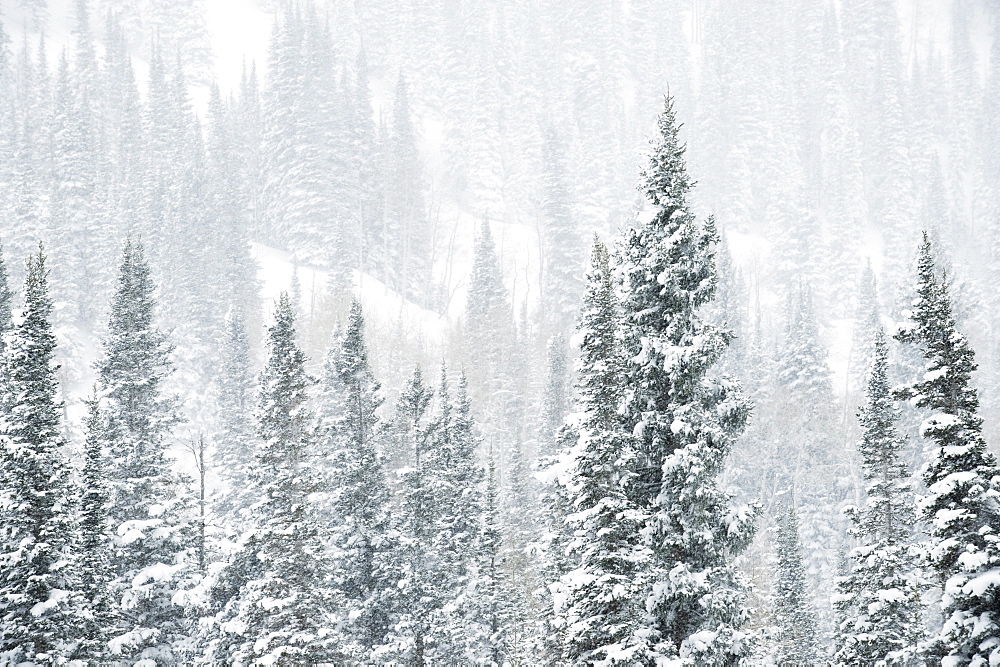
(666, 182)
(963, 500)
(31, 366)
(6, 300)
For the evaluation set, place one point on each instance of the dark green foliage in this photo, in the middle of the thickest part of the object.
(40, 611)
(6, 303)
(604, 607)
(422, 579)
(94, 549)
(961, 506)
(364, 571)
(684, 420)
(145, 506)
(137, 417)
(879, 601)
(794, 614)
(282, 612)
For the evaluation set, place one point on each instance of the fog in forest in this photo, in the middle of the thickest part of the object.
(481, 332)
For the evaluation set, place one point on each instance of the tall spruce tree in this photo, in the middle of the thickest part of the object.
(489, 327)
(604, 616)
(962, 479)
(6, 303)
(685, 421)
(866, 326)
(408, 251)
(363, 569)
(420, 593)
(234, 454)
(879, 598)
(802, 363)
(810, 461)
(562, 249)
(553, 398)
(794, 614)
(94, 548)
(370, 198)
(40, 611)
(145, 503)
(489, 630)
(458, 477)
(283, 612)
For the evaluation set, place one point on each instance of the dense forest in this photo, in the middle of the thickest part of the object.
(631, 332)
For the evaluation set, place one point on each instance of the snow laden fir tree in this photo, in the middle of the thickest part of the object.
(962, 505)
(879, 596)
(40, 610)
(655, 581)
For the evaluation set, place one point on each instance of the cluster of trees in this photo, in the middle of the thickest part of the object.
(332, 557)
(337, 536)
(299, 164)
(373, 142)
(646, 559)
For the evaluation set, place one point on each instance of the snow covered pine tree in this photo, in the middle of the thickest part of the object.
(603, 613)
(685, 421)
(963, 500)
(879, 598)
(794, 614)
(681, 424)
(282, 613)
(40, 612)
(362, 570)
(136, 420)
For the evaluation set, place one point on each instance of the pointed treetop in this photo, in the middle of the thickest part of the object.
(6, 300)
(354, 347)
(666, 181)
(38, 303)
(132, 304)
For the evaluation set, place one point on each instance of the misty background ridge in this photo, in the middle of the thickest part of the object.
(330, 195)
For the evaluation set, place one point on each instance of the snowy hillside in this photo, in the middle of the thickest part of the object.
(631, 332)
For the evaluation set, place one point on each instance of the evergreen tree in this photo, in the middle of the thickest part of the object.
(880, 595)
(490, 336)
(561, 245)
(489, 629)
(410, 409)
(282, 614)
(802, 365)
(604, 616)
(961, 505)
(487, 311)
(685, 422)
(812, 465)
(553, 398)
(228, 199)
(145, 506)
(234, 455)
(6, 303)
(94, 559)
(371, 200)
(420, 587)
(363, 570)
(794, 614)
(458, 477)
(866, 325)
(409, 259)
(40, 612)
(330, 398)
